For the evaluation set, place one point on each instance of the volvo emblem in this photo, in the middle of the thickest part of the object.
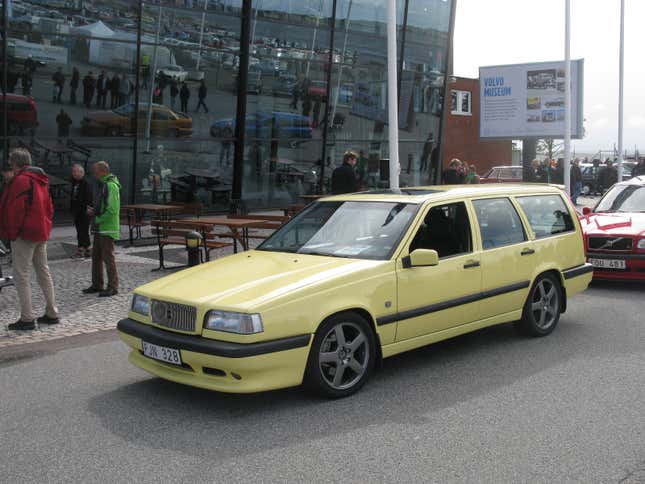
(161, 312)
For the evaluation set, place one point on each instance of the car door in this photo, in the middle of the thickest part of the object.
(507, 256)
(435, 298)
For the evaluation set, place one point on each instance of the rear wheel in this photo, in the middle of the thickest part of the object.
(542, 308)
(341, 357)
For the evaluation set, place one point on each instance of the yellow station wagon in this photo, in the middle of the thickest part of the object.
(354, 279)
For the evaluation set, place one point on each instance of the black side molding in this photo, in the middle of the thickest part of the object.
(207, 346)
(451, 303)
(577, 271)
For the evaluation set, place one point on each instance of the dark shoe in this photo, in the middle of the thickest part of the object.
(108, 293)
(47, 320)
(91, 290)
(22, 325)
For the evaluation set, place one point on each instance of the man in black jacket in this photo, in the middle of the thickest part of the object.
(81, 198)
(343, 179)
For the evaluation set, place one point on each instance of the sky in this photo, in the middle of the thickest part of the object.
(495, 32)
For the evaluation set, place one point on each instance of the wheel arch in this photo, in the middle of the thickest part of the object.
(563, 289)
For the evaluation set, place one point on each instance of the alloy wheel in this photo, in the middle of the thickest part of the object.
(545, 304)
(344, 355)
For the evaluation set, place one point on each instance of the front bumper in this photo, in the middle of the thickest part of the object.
(634, 271)
(220, 365)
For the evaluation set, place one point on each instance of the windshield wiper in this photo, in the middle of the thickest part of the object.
(326, 254)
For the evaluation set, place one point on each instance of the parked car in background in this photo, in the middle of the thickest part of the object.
(354, 279)
(173, 71)
(117, 122)
(502, 174)
(260, 125)
(22, 115)
(318, 90)
(614, 232)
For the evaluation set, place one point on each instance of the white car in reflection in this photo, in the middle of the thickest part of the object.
(173, 72)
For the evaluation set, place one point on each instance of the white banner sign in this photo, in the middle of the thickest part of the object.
(527, 100)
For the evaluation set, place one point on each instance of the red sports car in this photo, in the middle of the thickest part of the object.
(614, 232)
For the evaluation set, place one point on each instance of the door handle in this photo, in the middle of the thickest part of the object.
(471, 263)
(527, 251)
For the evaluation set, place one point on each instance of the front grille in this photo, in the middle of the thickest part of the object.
(173, 315)
(610, 243)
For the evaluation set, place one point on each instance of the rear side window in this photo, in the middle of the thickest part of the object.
(499, 223)
(547, 214)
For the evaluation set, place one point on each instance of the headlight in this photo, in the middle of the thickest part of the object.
(640, 244)
(140, 305)
(233, 322)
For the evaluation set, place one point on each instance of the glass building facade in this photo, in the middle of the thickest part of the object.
(222, 101)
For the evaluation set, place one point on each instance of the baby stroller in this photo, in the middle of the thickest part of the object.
(5, 281)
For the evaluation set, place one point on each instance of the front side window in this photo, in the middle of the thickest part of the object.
(547, 214)
(623, 198)
(446, 229)
(360, 230)
(499, 223)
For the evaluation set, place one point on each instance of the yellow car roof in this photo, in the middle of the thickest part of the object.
(440, 192)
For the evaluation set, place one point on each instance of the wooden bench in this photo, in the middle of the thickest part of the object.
(269, 222)
(173, 232)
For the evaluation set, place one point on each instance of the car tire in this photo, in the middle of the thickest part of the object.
(542, 308)
(355, 356)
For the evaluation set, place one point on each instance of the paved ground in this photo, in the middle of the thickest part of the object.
(486, 407)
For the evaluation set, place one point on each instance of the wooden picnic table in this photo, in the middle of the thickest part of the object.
(160, 211)
(239, 228)
(62, 151)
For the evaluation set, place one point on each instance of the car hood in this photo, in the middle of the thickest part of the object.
(614, 224)
(250, 279)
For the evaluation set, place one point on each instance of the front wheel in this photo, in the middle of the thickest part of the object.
(341, 357)
(542, 308)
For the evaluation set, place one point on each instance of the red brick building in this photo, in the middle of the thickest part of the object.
(461, 135)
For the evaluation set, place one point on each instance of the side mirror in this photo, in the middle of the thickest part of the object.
(421, 258)
(586, 210)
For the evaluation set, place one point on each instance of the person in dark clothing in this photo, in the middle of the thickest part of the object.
(427, 151)
(608, 175)
(639, 169)
(575, 178)
(184, 96)
(81, 198)
(174, 90)
(30, 65)
(115, 84)
(59, 83)
(157, 95)
(26, 82)
(227, 143)
(306, 105)
(73, 85)
(63, 121)
(202, 92)
(454, 175)
(89, 86)
(102, 84)
(343, 178)
(316, 114)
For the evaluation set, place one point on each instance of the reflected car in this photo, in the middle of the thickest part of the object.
(614, 232)
(260, 125)
(503, 174)
(173, 71)
(22, 114)
(117, 122)
(354, 279)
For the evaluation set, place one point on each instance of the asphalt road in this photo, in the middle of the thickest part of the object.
(486, 407)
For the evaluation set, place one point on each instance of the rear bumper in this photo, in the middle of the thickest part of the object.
(212, 364)
(634, 271)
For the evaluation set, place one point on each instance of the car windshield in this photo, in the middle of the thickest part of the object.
(623, 198)
(357, 230)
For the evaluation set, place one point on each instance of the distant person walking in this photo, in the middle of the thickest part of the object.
(81, 199)
(575, 177)
(59, 83)
(427, 151)
(174, 91)
(202, 92)
(343, 178)
(124, 90)
(89, 86)
(103, 83)
(184, 96)
(115, 84)
(227, 142)
(73, 85)
(106, 228)
(26, 211)
(63, 121)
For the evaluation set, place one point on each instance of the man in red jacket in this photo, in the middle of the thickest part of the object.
(26, 211)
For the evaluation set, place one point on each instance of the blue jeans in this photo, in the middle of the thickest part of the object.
(576, 191)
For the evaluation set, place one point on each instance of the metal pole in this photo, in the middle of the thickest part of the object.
(135, 114)
(330, 61)
(621, 72)
(313, 40)
(567, 96)
(5, 68)
(201, 36)
(342, 62)
(392, 95)
(151, 85)
(255, 23)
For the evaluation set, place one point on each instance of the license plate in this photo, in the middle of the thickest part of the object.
(162, 353)
(608, 263)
